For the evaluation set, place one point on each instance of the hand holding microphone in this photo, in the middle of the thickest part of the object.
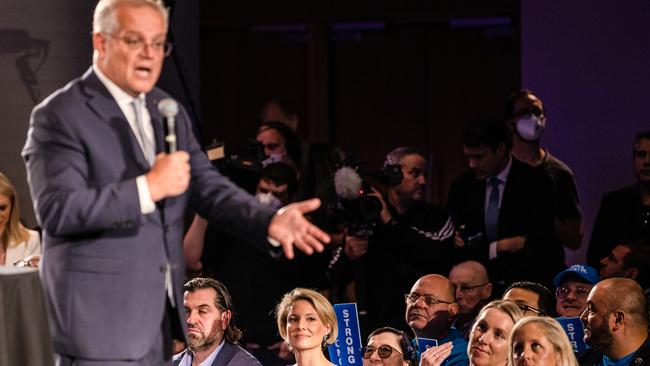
(170, 174)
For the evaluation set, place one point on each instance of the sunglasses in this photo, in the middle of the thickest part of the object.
(384, 351)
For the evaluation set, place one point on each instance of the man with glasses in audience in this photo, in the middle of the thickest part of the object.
(531, 297)
(572, 288)
(473, 290)
(430, 312)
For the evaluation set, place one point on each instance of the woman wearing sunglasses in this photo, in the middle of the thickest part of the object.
(390, 347)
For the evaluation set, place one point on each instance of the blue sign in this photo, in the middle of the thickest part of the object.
(347, 348)
(424, 344)
(575, 330)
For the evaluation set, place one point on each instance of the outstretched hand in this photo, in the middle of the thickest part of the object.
(290, 228)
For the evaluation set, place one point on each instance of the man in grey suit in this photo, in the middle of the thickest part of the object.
(212, 336)
(111, 202)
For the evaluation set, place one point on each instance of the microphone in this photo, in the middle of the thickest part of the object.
(169, 109)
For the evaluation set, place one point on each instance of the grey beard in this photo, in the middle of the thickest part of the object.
(196, 344)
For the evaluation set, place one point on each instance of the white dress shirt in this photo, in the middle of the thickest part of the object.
(124, 100)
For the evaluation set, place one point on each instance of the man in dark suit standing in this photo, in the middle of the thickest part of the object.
(111, 202)
(624, 214)
(503, 209)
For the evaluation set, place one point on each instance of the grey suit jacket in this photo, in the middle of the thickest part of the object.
(103, 261)
(229, 355)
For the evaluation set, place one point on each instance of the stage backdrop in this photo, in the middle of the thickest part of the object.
(588, 60)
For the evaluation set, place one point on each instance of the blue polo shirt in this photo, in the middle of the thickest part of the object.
(625, 361)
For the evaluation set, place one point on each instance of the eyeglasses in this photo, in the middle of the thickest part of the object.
(428, 300)
(564, 291)
(136, 43)
(525, 308)
(384, 351)
(465, 288)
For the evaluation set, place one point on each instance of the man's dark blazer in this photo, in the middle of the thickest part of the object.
(619, 220)
(526, 209)
(229, 355)
(103, 265)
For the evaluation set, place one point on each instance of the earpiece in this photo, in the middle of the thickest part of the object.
(392, 172)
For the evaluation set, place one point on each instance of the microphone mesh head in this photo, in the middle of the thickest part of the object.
(168, 107)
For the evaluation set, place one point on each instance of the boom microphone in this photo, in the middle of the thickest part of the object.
(169, 109)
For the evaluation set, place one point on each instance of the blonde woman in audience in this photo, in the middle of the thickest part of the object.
(488, 340)
(20, 246)
(307, 323)
(540, 341)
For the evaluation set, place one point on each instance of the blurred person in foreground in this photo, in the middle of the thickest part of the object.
(111, 202)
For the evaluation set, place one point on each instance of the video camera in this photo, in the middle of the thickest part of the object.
(354, 206)
(243, 169)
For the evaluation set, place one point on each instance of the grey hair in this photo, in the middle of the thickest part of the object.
(395, 157)
(105, 21)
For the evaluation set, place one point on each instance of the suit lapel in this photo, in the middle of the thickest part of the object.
(508, 190)
(106, 108)
(479, 201)
(224, 356)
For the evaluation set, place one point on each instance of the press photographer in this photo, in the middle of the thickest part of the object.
(412, 238)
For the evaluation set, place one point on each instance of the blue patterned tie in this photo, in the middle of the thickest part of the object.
(492, 212)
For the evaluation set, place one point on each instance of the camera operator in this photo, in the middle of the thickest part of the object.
(411, 239)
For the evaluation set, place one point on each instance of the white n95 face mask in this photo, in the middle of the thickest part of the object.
(530, 127)
(273, 158)
(268, 199)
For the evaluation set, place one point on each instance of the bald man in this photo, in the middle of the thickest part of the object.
(431, 309)
(616, 324)
(473, 290)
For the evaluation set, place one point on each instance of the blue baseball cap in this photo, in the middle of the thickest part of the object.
(583, 271)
